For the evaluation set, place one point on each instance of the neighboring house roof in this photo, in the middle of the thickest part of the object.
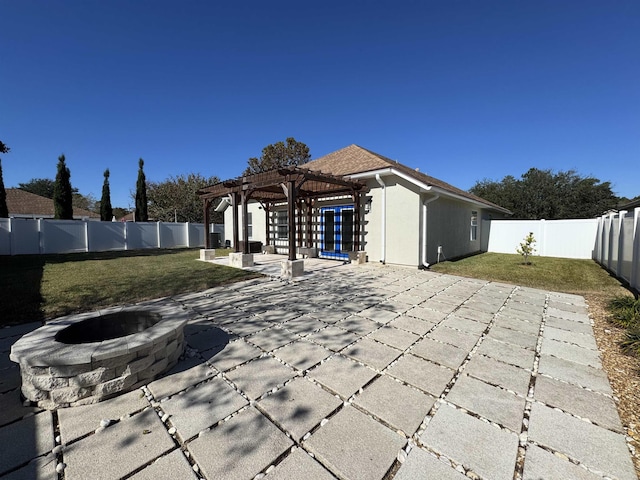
(631, 205)
(353, 160)
(21, 203)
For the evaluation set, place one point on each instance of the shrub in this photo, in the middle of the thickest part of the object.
(526, 248)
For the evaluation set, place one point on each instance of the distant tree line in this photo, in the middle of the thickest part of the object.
(550, 195)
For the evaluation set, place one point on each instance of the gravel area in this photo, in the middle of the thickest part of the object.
(623, 371)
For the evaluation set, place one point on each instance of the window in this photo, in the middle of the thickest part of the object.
(250, 224)
(282, 224)
(474, 226)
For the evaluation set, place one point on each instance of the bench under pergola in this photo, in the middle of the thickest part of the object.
(298, 187)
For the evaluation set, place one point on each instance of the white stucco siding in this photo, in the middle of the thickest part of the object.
(258, 219)
(403, 222)
(449, 226)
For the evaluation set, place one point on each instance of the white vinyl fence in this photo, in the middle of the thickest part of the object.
(554, 238)
(20, 236)
(618, 245)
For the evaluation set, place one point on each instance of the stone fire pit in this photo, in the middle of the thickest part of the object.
(86, 358)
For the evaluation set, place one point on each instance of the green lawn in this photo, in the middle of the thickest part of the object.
(36, 287)
(583, 277)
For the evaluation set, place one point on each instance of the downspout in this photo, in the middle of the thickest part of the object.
(425, 264)
(384, 219)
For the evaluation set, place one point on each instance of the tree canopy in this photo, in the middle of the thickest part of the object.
(106, 211)
(4, 210)
(62, 192)
(141, 213)
(279, 155)
(177, 198)
(544, 194)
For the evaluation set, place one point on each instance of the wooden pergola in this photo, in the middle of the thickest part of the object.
(295, 186)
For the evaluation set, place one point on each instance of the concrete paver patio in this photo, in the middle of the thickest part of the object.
(357, 372)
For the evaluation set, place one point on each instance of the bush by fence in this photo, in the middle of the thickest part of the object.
(20, 236)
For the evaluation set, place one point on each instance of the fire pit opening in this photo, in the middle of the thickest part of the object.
(107, 327)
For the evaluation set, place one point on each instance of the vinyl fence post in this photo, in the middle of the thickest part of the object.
(86, 236)
(619, 260)
(635, 257)
(159, 234)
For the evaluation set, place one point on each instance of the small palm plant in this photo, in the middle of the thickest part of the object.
(526, 248)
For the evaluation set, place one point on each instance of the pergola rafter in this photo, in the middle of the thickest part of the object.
(292, 185)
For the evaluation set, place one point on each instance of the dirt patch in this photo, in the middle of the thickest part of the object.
(623, 371)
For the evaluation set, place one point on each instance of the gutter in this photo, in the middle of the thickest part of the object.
(425, 264)
(223, 205)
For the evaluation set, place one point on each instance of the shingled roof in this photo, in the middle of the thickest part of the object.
(354, 159)
(26, 204)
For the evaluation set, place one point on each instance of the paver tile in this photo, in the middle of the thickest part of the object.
(581, 441)
(394, 337)
(202, 406)
(533, 318)
(77, 421)
(578, 317)
(490, 402)
(427, 314)
(573, 353)
(569, 325)
(333, 338)
(488, 451)
(540, 464)
(260, 375)
(271, 338)
(234, 354)
(434, 304)
(441, 353)
(574, 338)
(507, 353)
(169, 467)
(241, 447)
(144, 436)
(369, 457)
(421, 373)
(394, 305)
(299, 406)
(598, 408)
(247, 326)
(464, 324)
(372, 353)
(411, 324)
(179, 380)
(25, 439)
(500, 374)
(467, 311)
(300, 465)
(342, 375)
(302, 354)
(379, 315)
(457, 338)
(575, 373)
(11, 407)
(514, 337)
(357, 324)
(421, 465)
(207, 338)
(400, 406)
(304, 325)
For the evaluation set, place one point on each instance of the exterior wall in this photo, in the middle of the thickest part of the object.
(449, 227)
(258, 219)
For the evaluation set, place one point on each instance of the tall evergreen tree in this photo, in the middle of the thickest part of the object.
(4, 210)
(62, 192)
(141, 195)
(106, 211)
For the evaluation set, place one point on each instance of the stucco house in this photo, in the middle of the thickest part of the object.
(392, 212)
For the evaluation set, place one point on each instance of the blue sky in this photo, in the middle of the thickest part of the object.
(463, 90)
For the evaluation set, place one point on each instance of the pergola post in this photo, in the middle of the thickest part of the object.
(309, 204)
(236, 236)
(207, 221)
(356, 221)
(245, 221)
(291, 204)
(266, 223)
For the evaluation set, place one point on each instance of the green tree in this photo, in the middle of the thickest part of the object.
(39, 186)
(62, 192)
(106, 211)
(526, 248)
(279, 155)
(177, 198)
(4, 209)
(141, 214)
(544, 194)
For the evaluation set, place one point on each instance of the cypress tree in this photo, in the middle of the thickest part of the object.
(106, 211)
(4, 210)
(62, 192)
(141, 195)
